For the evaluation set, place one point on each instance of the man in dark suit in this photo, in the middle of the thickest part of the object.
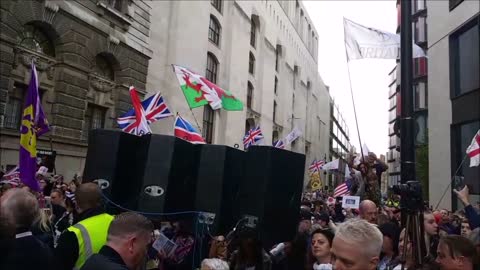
(129, 237)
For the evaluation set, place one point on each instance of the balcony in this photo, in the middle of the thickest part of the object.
(392, 115)
(393, 103)
(394, 141)
(391, 129)
(420, 101)
(393, 90)
(393, 155)
(420, 30)
(418, 6)
(420, 67)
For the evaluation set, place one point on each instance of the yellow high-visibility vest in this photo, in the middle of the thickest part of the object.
(91, 236)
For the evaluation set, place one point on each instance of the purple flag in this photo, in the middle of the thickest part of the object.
(34, 124)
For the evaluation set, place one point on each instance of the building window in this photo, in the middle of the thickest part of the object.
(249, 95)
(35, 39)
(212, 68)
(94, 119)
(276, 58)
(462, 137)
(421, 128)
(274, 111)
(420, 67)
(14, 106)
(275, 85)
(421, 96)
(217, 4)
(249, 124)
(103, 67)
(465, 59)
(251, 63)
(214, 31)
(116, 4)
(420, 30)
(418, 5)
(253, 29)
(453, 4)
(208, 119)
(274, 136)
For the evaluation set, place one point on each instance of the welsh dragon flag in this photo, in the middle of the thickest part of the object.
(199, 91)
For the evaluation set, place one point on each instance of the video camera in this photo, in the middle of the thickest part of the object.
(411, 196)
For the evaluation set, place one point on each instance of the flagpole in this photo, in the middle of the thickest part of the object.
(355, 110)
(453, 177)
(195, 118)
(351, 92)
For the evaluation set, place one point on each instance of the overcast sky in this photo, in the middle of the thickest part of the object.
(369, 77)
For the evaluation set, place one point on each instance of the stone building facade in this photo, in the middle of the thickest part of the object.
(264, 52)
(87, 53)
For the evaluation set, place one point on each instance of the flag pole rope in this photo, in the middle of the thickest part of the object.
(451, 180)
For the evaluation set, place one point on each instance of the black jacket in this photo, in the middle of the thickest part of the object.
(27, 253)
(66, 252)
(106, 259)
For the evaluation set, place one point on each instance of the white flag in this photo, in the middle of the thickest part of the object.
(293, 135)
(366, 42)
(365, 149)
(347, 172)
(473, 151)
(332, 165)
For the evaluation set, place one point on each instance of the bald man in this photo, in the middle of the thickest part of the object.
(368, 211)
(89, 234)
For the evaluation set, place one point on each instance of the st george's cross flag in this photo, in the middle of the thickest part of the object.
(34, 124)
(473, 151)
(154, 108)
(367, 42)
(252, 136)
(185, 131)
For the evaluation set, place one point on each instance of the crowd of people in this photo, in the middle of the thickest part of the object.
(65, 226)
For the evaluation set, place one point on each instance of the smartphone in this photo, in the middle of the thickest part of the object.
(458, 182)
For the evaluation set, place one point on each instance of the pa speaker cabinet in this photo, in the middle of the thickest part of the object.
(220, 171)
(114, 160)
(271, 191)
(168, 182)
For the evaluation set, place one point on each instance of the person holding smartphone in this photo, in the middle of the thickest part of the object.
(470, 213)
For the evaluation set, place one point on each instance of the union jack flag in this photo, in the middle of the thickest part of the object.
(316, 165)
(155, 109)
(185, 131)
(12, 174)
(279, 144)
(12, 177)
(252, 137)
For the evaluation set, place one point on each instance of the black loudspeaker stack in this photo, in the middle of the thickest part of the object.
(271, 191)
(164, 174)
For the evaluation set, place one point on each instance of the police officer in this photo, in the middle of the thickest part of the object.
(89, 234)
